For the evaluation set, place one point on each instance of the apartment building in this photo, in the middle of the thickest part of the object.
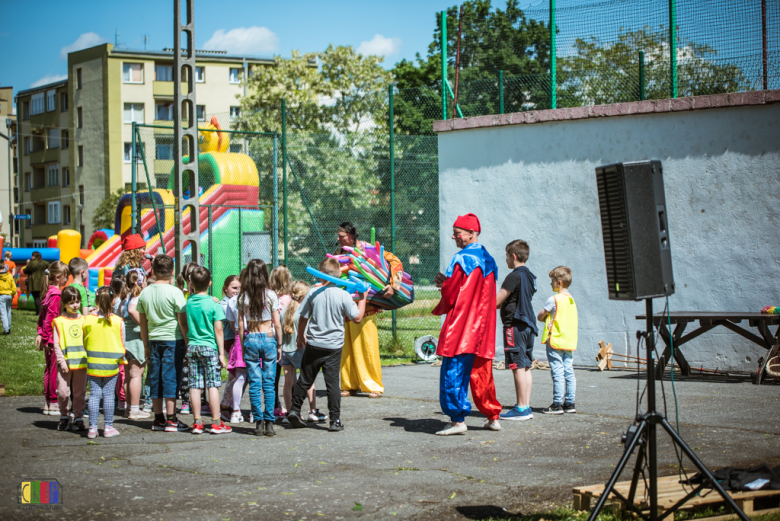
(112, 88)
(7, 178)
(47, 181)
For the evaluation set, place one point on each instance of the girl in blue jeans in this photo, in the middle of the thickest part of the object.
(261, 331)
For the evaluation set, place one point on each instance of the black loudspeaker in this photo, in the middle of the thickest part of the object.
(635, 229)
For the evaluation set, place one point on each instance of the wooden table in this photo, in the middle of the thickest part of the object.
(710, 320)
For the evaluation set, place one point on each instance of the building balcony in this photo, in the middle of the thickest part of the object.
(164, 89)
(45, 120)
(45, 156)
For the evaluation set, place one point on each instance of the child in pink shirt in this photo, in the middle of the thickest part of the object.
(54, 277)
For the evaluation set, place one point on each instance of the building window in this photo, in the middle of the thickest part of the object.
(235, 75)
(235, 112)
(26, 110)
(78, 78)
(201, 110)
(65, 139)
(200, 74)
(51, 101)
(79, 118)
(40, 243)
(66, 214)
(53, 174)
(53, 138)
(66, 177)
(54, 212)
(133, 72)
(27, 146)
(63, 101)
(36, 104)
(27, 182)
(164, 111)
(81, 196)
(164, 148)
(134, 113)
(80, 156)
(236, 148)
(163, 72)
(138, 152)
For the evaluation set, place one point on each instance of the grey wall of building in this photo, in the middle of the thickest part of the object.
(722, 182)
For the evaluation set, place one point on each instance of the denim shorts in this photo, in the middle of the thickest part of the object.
(292, 358)
(166, 360)
(205, 371)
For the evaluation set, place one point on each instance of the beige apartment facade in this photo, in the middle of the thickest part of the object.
(45, 180)
(112, 88)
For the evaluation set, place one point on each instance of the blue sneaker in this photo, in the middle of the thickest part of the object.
(515, 414)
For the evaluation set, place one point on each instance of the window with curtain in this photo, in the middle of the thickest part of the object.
(53, 138)
(134, 112)
(163, 72)
(133, 72)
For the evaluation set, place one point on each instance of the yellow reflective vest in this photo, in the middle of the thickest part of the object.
(104, 345)
(561, 329)
(71, 341)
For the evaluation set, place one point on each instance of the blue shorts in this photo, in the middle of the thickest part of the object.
(519, 346)
(166, 361)
(292, 358)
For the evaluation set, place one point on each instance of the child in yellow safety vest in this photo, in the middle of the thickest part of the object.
(560, 336)
(104, 334)
(68, 342)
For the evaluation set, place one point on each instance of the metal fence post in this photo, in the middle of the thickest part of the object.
(553, 65)
(133, 187)
(211, 249)
(240, 242)
(501, 91)
(444, 81)
(392, 194)
(673, 47)
(763, 38)
(641, 75)
(275, 218)
(284, 174)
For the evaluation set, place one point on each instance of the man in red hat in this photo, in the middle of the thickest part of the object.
(467, 341)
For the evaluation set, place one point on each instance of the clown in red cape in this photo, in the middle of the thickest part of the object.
(467, 341)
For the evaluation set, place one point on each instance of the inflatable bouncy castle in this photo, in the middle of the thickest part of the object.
(225, 178)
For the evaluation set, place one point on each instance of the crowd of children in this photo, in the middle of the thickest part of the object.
(263, 325)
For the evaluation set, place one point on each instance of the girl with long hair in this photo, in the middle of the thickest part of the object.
(117, 285)
(237, 381)
(55, 276)
(104, 334)
(280, 281)
(183, 283)
(136, 356)
(291, 355)
(259, 306)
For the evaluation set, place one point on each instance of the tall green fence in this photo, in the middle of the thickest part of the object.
(690, 47)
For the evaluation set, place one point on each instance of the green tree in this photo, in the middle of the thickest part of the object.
(105, 213)
(336, 104)
(601, 73)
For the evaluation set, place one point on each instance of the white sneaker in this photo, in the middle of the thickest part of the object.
(492, 425)
(251, 418)
(236, 417)
(54, 409)
(138, 415)
(46, 408)
(453, 429)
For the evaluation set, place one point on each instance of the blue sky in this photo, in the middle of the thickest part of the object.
(36, 50)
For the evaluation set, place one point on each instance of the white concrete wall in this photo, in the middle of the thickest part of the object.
(722, 180)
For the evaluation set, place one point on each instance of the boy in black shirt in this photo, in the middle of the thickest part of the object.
(519, 321)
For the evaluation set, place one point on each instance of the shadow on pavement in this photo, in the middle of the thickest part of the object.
(487, 512)
(425, 425)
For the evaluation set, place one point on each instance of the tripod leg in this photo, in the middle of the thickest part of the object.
(615, 475)
(707, 474)
(640, 458)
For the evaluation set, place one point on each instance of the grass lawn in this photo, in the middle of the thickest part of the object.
(21, 366)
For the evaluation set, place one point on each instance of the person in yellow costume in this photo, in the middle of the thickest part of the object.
(361, 367)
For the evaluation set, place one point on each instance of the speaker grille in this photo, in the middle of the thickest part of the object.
(614, 219)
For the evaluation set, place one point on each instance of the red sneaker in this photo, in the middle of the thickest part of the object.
(220, 428)
(197, 427)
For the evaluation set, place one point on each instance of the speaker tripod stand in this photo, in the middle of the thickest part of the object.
(643, 435)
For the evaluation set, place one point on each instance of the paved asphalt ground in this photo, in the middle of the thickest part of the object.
(387, 459)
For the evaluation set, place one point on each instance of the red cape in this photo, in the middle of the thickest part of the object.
(470, 305)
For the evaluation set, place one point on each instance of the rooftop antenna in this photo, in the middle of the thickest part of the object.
(116, 38)
(146, 39)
